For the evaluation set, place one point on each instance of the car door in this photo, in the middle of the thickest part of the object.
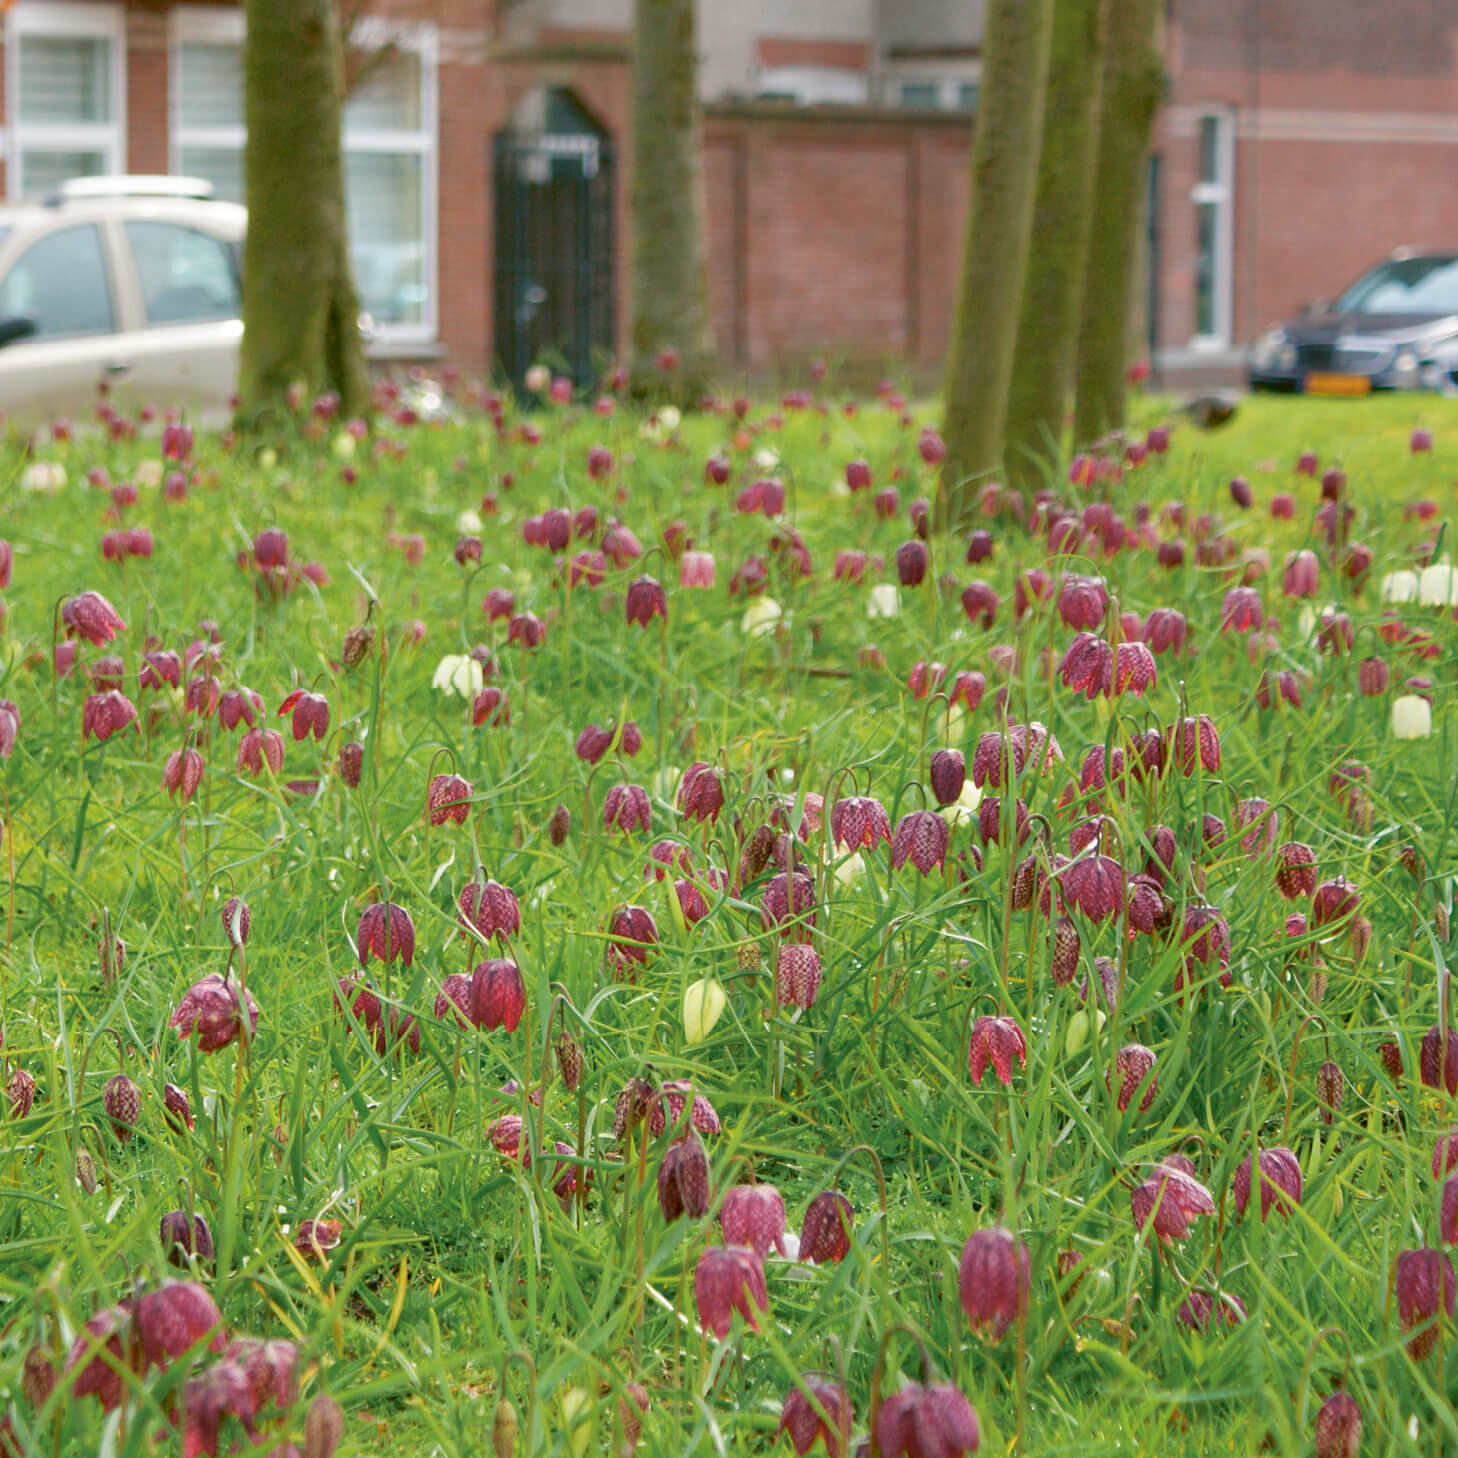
(183, 354)
(63, 285)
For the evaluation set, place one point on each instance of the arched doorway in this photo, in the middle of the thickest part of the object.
(554, 239)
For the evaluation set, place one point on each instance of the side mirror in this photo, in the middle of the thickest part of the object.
(22, 326)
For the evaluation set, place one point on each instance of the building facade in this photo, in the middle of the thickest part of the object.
(488, 158)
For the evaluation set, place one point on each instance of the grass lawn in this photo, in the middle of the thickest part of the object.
(429, 1186)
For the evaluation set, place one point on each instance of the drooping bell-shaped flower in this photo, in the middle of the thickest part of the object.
(993, 1281)
(729, 1279)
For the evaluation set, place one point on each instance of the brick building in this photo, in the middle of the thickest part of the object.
(488, 157)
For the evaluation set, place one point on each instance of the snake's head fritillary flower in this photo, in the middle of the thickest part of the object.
(105, 714)
(980, 603)
(448, 797)
(1165, 631)
(489, 908)
(1334, 901)
(1134, 1063)
(160, 668)
(1330, 1090)
(1202, 1309)
(626, 809)
(921, 837)
(787, 905)
(754, 1216)
(212, 1008)
(1437, 1068)
(645, 600)
(182, 772)
(350, 763)
(1280, 1182)
(1255, 819)
(632, 935)
(729, 1279)
(259, 747)
(825, 1230)
(239, 706)
(998, 1042)
(498, 995)
(122, 1100)
(947, 774)
(1082, 601)
(993, 1281)
(927, 1422)
(670, 1103)
(454, 1000)
(316, 1238)
(620, 545)
(912, 560)
(1448, 1213)
(174, 1319)
(103, 1351)
(271, 549)
(309, 711)
(1087, 666)
(183, 1236)
(1094, 886)
(90, 616)
(1338, 1427)
(1301, 575)
(701, 793)
(201, 696)
(177, 1108)
(824, 1414)
(9, 727)
(386, 932)
(683, 1178)
(797, 975)
(237, 919)
(1423, 1283)
(1169, 1199)
(499, 602)
(859, 822)
(1193, 741)
(526, 629)
(1295, 870)
(696, 569)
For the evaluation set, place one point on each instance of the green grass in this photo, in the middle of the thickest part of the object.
(453, 1257)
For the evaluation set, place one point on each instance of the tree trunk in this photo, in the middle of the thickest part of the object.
(994, 256)
(670, 285)
(1062, 215)
(300, 309)
(1133, 86)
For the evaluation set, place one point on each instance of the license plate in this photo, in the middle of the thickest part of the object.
(1326, 384)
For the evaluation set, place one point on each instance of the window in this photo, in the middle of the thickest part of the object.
(60, 281)
(207, 98)
(389, 138)
(812, 85)
(66, 83)
(389, 176)
(967, 93)
(926, 94)
(186, 275)
(1212, 198)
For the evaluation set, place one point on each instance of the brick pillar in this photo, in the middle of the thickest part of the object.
(147, 148)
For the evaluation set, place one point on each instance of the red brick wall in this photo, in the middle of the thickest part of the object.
(147, 127)
(834, 234)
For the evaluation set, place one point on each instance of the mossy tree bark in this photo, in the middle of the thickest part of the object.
(1133, 86)
(1005, 153)
(670, 283)
(1042, 368)
(300, 309)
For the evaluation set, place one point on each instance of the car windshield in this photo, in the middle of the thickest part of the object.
(1405, 286)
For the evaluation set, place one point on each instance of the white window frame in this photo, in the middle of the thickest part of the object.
(1219, 193)
(65, 19)
(947, 83)
(424, 39)
(207, 25)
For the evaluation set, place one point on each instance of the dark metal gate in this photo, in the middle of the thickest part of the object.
(554, 251)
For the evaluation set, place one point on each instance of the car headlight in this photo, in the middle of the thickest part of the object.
(1405, 362)
(1273, 350)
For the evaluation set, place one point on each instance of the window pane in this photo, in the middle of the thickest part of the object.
(967, 95)
(386, 97)
(211, 89)
(65, 79)
(921, 93)
(386, 234)
(222, 166)
(61, 283)
(1207, 218)
(1209, 149)
(186, 275)
(42, 172)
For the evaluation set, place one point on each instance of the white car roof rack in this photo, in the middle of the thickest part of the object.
(77, 189)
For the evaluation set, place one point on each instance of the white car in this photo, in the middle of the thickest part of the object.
(131, 283)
